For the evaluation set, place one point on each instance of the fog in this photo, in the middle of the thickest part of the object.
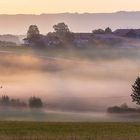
(74, 83)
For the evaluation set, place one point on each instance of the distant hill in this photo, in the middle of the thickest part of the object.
(18, 24)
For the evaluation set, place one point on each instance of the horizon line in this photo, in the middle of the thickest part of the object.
(73, 13)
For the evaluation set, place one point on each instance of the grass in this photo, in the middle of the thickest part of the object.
(69, 131)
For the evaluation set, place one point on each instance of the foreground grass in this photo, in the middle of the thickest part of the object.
(69, 131)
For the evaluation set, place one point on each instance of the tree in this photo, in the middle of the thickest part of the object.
(136, 91)
(98, 31)
(124, 106)
(33, 32)
(5, 100)
(108, 30)
(61, 28)
(34, 38)
(35, 102)
(17, 103)
(63, 33)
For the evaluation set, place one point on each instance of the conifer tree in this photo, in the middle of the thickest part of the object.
(136, 91)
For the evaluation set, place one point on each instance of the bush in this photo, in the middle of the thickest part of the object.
(122, 109)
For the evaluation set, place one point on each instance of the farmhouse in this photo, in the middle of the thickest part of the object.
(132, 33)
(82, 39)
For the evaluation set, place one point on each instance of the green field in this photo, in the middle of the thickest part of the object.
(69, 131)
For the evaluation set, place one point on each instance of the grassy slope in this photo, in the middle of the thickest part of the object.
(80, 131)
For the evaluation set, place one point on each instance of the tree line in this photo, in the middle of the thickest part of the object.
(61, 36)
(33, 102)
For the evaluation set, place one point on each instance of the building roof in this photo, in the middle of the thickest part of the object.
(123, 32)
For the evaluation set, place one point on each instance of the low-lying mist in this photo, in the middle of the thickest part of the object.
(72, 83)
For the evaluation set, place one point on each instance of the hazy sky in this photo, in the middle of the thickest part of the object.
(59, 6)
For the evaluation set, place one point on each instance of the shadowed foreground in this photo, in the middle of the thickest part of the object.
(69, 131)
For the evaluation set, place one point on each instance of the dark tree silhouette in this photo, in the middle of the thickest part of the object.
(33, 32)
(61, 28)
(122, 109)
(63, 33)
(108, 30)
(136, 91)
(34, 38)
(17, 103)
(35, 102)
(5, 100)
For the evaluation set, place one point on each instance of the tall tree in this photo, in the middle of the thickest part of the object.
(34, 38)
(33, 32)
(136, 91)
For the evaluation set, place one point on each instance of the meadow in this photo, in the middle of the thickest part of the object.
(68, 131)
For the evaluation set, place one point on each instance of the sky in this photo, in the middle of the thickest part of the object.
(61, 6)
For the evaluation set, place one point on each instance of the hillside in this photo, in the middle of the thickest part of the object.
(87, 21)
